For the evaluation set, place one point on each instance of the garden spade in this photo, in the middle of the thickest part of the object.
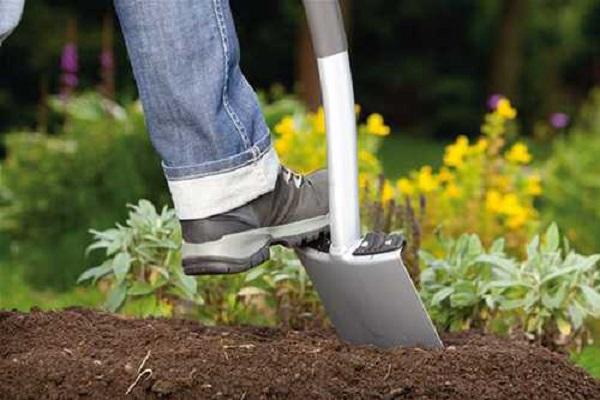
(362, 282)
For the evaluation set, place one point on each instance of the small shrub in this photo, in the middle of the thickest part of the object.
(141, 275)
(456, 287)
(142, 266)
(485, 187)
(552, 295)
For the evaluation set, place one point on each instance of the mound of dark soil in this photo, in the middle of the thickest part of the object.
(87, 354)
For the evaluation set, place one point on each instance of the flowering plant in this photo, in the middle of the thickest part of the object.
(484, 186)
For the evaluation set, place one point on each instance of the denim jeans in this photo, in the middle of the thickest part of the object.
(202, 115)
(10, 14)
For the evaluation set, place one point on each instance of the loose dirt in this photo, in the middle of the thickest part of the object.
(86, 354)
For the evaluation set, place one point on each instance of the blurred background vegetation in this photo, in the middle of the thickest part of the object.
(74, 151)
(428, 66)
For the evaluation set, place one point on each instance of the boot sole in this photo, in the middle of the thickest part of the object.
(242, 251)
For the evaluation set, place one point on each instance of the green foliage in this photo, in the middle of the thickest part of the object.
(142, 265)
(55, 186)
(571, 183)
(16, 294)
(141, 275)
(456, 287)
(551, 295)
(589, 359)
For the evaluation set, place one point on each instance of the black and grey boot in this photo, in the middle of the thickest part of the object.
(295, 212)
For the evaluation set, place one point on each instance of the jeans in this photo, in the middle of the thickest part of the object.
(10, 14)
(202, 115)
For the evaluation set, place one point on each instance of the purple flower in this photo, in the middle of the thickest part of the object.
(559, 120)
(493, 100)
(69, 61)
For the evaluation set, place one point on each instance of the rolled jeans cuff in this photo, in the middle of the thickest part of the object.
(208, 195)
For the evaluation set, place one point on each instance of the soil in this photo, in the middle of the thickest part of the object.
(87, 354)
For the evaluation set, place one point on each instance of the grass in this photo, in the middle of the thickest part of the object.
(402, 153)
(16, 294)
(589, 359)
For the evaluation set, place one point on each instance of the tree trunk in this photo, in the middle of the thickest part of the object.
(507, 55)
(306, 66)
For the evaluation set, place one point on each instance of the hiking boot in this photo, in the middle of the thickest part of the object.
(293, 214)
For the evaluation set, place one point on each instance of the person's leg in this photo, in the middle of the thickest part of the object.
(10, 14)
(204, 119)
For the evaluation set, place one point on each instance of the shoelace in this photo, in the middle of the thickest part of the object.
(291, 176)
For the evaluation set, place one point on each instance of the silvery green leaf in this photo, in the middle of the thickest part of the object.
(254, 274)
(188, 283)
(554, 301)
(507, 305)
(116, 297)
(560, 273)
(120, 266)
(99, 244)
(498, 246)
(576, 314)
(505, 264)
(591, 296)
(140, 288)
(532, 247)
(95, 272)
(552, 239)
(441, 295)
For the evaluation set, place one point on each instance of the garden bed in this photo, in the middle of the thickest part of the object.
(88, 354)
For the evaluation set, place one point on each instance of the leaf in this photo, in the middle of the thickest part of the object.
(577, 314)
(95, 272)
(254, 274)
(120, 266)
(505, 264)
(140, 289)
(441, 295)
(498, 246)
(188, 284)
(591, 296)
(532, 248)
(116, 297)
(552, 239)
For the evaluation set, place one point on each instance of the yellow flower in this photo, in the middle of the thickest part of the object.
(505, 109)
(453, 191)
(285, 127)
(318, 120)
(519, 154)
(405, 186)
(426, 181)
(283, 146)
(363, 179)
(518, 219)
(534, 185)
(455, 153)
(510, 204)
(481, 145)
(445, 175)
(375, 125)
(357, 109)
(502, 182)
(387, 192)
(367, 158)
(493, 201)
